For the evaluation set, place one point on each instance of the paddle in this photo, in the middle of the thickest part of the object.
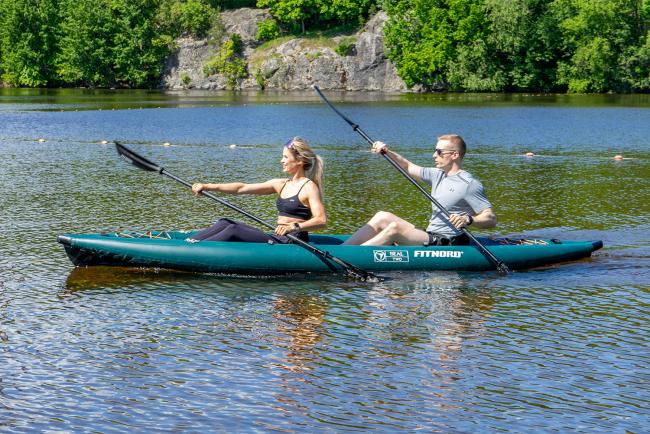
(499, 265)
(145, 164)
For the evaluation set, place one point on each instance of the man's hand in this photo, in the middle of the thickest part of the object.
(459, 220)
(379, 147)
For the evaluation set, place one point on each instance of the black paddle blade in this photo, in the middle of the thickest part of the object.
(352, 271)
(365, 276)
(137, 160)
(502, 269)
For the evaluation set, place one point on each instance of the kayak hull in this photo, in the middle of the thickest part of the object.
(170, 250)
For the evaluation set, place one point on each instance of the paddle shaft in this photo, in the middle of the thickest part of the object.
(326, 256)
(499, 265)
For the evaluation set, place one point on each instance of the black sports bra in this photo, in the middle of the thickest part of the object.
(291, 206)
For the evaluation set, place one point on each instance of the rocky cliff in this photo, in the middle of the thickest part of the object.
(292, 64)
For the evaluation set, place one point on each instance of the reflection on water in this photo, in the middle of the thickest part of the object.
(300, 319)
(124, 349)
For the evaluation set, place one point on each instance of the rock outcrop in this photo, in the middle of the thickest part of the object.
(291, 65)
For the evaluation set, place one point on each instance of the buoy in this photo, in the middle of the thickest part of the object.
(167, 144)
(618, 157)
(233, 146)
(530, 154)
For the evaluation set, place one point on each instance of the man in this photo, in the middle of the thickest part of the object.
(455, 189)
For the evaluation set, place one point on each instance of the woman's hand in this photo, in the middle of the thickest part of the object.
(285, 229)
(197, 188)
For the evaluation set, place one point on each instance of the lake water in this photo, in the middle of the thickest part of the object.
(557, 349)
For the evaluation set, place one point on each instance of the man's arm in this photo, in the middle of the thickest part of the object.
(484, 220)
(412, 169)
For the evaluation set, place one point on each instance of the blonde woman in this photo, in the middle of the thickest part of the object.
(300, 203)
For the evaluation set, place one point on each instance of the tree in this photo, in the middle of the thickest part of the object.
(28, 41)
(635, 66)
(193, 17)
(291, 11)
(85, 55)
(590, 61)
(345, 11)
(139, 49)
(111, 43)
(525, 38)
(319, 12)
(423, 36)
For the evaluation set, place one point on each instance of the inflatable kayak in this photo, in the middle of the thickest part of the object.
(169, 249)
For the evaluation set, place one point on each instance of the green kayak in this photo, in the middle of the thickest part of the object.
(163, 249)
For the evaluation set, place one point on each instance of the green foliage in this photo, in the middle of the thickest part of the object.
(521, 45)
(346, 46)
(301, 14)
(228, 61)
(423, 36)
(217, 32)
(524, 42)
(188, 17)
(290, 12)
(260, 79)
(28, 41)
(311, 56)
(110, 43)
(185, 79)
(590, 68)
(635, 65)
(592, 59)
(231, 4)
(85, 52)
(474, 69)
(345, 11)
(138, 50)
(267, 30)
(462, 45)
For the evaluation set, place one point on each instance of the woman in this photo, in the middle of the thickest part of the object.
(300, 203)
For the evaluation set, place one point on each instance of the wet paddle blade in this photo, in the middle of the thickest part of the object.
(350, 270)
(137, 160)
(502, 269)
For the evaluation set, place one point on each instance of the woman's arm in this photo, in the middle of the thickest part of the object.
(268, 187)
(318, 218)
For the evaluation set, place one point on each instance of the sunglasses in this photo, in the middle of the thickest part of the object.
(441, 152)
(289, 144)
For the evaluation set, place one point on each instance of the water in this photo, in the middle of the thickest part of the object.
(563, 348)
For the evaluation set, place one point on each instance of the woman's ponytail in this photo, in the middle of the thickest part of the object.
(313, 164)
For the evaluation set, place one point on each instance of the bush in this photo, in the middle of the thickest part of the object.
(228, 61)
(346, 47)
(267, 30)
(185, 79)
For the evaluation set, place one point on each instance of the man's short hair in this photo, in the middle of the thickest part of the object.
(457, 141)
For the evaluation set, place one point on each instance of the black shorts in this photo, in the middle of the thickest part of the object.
(441, 240)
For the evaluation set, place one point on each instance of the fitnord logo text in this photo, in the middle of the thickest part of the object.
(437, 254)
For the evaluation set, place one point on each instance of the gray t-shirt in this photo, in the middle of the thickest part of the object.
(459, 194)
